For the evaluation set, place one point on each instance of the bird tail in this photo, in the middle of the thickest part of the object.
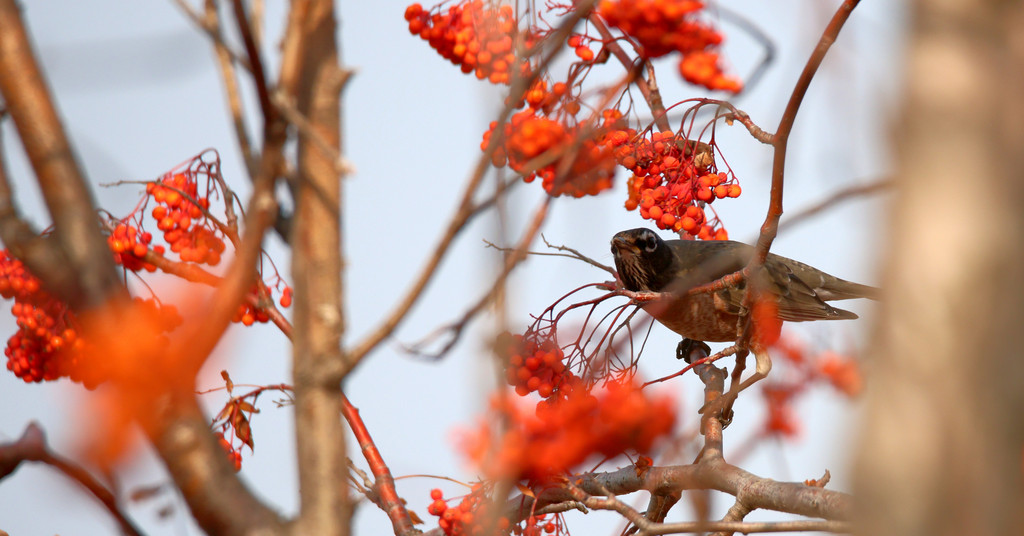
(841, 289)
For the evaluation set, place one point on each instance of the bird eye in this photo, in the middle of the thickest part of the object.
(649, 242)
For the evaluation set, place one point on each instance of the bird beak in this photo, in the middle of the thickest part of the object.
(621, 244)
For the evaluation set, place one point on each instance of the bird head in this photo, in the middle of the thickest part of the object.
(642, 259)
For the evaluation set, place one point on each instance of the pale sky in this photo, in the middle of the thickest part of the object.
(138, 89)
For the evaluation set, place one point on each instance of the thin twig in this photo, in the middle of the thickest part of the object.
(780, 142)
(230, 79)
(32, 447)
(455, 329)
(573, 254)
(259, 75)
(341, 165)
(384, 482)
(840, 196)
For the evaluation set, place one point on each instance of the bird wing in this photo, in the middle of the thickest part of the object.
(797, 301)
(701, 262)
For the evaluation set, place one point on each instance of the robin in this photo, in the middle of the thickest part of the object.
(645, 262)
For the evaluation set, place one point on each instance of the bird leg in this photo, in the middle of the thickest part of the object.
(723, 405)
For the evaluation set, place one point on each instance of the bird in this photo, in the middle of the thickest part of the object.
(644, 262)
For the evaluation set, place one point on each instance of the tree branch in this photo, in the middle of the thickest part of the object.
(32, 447)
(311, 57)
(89, 278)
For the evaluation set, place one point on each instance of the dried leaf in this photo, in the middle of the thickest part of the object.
(225, 411)
(227, 380)
(526, 491)
(242, 429)
(415, 518)
(245, 406)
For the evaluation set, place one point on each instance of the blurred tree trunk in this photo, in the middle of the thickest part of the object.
(944, 428)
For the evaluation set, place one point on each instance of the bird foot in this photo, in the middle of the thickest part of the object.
(687, 347)
(721, 408)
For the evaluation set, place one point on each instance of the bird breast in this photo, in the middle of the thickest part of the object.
(702, 317)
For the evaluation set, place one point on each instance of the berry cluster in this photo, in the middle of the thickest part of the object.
(537, 366)
(574, 161)
(180, 215)
(536, 525)
(48, 344)
(247, 314)
(781, 418)
(704, 68)
(130, 247)
(672, 186)
(661, 27)
(582, 51)
(458, 520)
(843, 373)
(803, 369)
(565, 431)
(477, 36)
(557, 101)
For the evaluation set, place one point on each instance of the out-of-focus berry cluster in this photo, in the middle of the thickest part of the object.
(661, 27)
(478, 36)
(48, 344)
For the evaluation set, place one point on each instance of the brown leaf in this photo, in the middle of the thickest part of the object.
(242, 429)
(245, 406)
(227, 380)
(415, 518)
(225, 411)
(526, 491)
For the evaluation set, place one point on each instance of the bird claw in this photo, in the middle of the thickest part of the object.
(686, 348)
(721, 408)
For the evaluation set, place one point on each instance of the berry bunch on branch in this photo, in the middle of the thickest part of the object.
(574, 133)
(49, 344)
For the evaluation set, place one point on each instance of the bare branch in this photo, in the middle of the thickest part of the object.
(32, 447)
(454, 330)
(840, 196)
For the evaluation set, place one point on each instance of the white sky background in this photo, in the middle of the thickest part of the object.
(138, 89)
